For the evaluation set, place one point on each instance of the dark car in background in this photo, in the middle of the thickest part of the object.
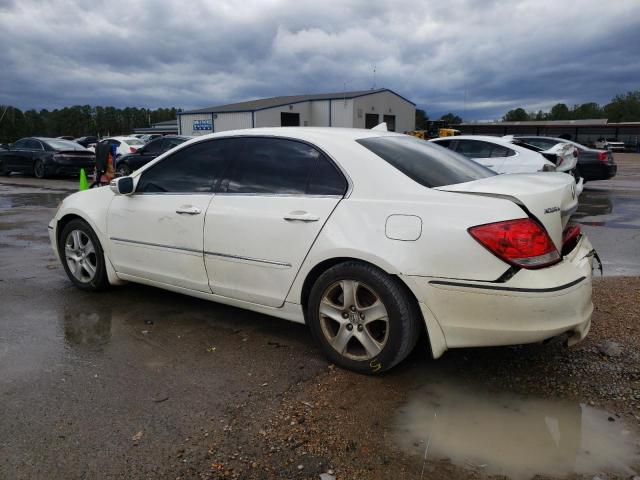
(44, 157)
(592, 164)
(156, 147)
(87, 141)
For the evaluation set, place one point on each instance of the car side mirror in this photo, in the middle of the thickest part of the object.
(122, 186)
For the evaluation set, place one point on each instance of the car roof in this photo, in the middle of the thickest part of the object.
(121, 138)
(304, 133)
(485, 138)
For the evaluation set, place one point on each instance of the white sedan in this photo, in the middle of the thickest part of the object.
(508, 155)
(124, 145)
(368, 237)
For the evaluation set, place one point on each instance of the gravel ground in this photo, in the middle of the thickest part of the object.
(344, 423)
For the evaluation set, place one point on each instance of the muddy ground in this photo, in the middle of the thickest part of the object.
(141, 383)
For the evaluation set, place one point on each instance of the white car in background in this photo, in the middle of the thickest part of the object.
(563, 154)
(509, 155)
(125, 145)
(612, 144)
(368, 237)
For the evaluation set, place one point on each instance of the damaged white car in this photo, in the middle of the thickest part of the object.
(368, 237)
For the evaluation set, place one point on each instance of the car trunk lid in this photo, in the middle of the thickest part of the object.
(70, 157)
(567, 157)
(548, 197)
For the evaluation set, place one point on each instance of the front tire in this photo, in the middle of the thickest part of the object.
(82, 256)
(39, 169)
(3, 169)
(363, 319)
(123, 170)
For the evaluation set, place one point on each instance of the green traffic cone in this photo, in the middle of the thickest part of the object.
(84, 185)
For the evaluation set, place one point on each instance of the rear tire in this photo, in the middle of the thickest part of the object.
(82, 256)
(374, 329)
(39, 169)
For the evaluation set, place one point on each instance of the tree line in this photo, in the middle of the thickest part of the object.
(622, 108)
(77, 121)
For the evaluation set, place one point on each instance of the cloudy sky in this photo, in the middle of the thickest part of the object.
(477, 58)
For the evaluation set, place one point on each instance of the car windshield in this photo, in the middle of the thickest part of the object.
(425, 162)
(60, 144)
(133, 141)
(612, 140)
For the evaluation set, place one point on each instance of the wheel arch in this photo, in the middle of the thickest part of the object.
(68, 217)
(321, 267)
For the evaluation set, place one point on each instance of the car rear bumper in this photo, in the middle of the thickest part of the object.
(597, 171)
(532, 306)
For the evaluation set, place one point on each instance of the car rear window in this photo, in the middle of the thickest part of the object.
(425, 162)
(59, 144)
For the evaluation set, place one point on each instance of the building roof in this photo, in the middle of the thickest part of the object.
(166, 123)
(542, 123)
(263, 103)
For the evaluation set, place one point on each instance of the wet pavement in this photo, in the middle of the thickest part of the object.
(137, 382)
(609, 213)
(82, 374)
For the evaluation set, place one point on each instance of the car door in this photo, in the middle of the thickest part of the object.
(10, 157)
(150, 151)
(272, 203)
(156, 233)
(22, 155)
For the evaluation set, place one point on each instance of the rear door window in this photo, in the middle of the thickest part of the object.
(33, 145)
(501, 151)
(271, 166)
(474, 148)
(326, 179)
(445, 143)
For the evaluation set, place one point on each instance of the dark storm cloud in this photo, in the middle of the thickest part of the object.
(472, 56)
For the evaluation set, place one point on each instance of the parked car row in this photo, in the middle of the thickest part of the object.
(527, 153)
(592, 164)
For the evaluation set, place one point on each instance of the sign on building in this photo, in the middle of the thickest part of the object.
(202, 125)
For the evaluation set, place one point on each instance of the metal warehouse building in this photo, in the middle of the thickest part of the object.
(362, 109)
(582, 131)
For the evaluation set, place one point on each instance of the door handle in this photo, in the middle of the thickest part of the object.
(189, 210)
(300, 216)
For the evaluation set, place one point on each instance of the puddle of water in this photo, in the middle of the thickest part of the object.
(87, 329)
(16, 200)
(514, 436)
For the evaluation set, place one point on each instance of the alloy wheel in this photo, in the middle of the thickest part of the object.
(353, 320)
(80, 255)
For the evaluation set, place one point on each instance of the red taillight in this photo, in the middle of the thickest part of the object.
(522, 242)
(603, 157)
(133, 149)
(570, 238)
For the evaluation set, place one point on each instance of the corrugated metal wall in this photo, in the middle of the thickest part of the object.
(232, 121)
(320, 113)
(342, 113)
(270, 117)
(385, 103)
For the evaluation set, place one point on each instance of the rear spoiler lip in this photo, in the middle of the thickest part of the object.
(503, 197)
